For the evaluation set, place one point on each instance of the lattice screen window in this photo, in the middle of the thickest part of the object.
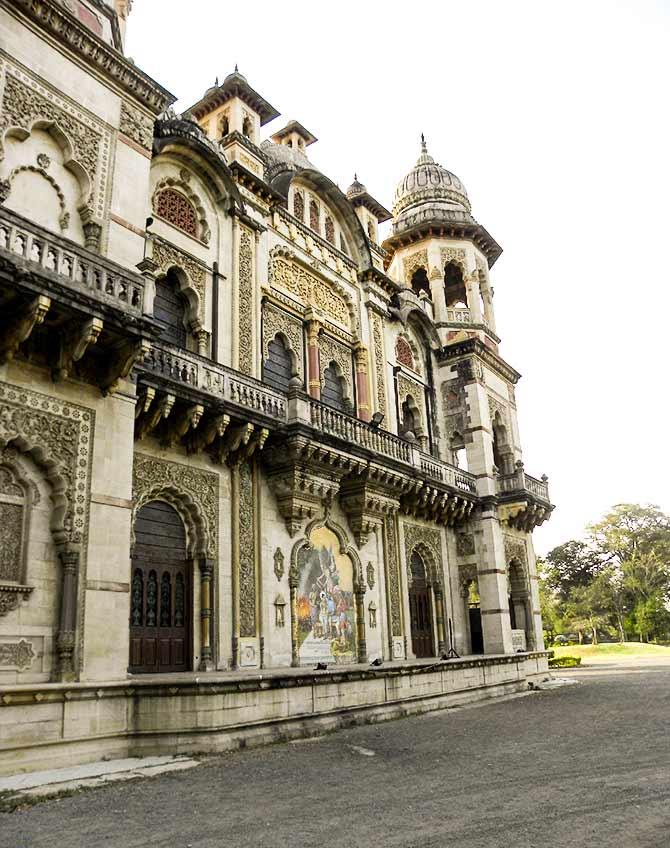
(299, 206)
(403, 353)
(314, 216)
(12, 523)
(173, 207)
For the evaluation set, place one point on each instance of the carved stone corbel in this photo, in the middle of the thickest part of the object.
(145, 398)
(153, 413)
(365, 504)
(19, 327)
(74, 346)
(121, 362)
(227, 448)
(207, 432)
(180, 423)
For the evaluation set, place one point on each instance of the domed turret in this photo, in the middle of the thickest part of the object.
(356, 188)
(429, 194)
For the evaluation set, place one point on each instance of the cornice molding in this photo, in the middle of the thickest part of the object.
(469, 347)
(68, 32)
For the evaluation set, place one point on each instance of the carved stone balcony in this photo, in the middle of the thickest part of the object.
(184, 396)
(523, 501)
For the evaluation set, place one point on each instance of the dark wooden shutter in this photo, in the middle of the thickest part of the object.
(421, 618)
(277, 367)
(332, 392)
(169, 311)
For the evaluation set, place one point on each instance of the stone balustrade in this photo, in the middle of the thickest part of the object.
(459, 316)
(69, 264)
(221, 383)
(446, 473)
(519, 481)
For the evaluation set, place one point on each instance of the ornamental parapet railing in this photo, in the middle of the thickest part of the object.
(356, 432)
(519, 481)
(459, 316)
(69, 264)
(206, 377)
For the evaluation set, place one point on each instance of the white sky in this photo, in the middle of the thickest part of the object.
(556, 118)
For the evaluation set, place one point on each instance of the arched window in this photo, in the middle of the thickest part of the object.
(420, 282)
(458, 452)
(277, 367)
(13, 511)
(299, 205)
(343, 245)
(224, 126)
(403, 353)
(330, 229)
(502, 451)
(421, 623)
(333, 391)
(247, 128)
(173, 207)
(170, 310)
(371, 231)
(454, 287)
(314, 216)
(409, 423)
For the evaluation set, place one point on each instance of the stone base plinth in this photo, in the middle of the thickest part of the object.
(46, 726)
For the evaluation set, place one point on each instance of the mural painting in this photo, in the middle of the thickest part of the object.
(326, 611)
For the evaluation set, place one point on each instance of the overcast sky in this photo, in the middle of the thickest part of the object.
(556, 118)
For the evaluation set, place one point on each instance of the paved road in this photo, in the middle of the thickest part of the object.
(585, 765)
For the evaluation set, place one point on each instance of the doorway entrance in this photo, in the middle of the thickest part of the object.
(421, 618)
(160, 603)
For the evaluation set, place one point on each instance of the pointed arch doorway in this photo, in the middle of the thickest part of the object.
(420, 609)
(160, 596)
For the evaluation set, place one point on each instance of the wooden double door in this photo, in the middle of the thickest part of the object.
(160, 596)
(421, 621)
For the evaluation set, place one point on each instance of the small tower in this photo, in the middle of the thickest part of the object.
(233, 114)
(295, 136)
(441, 253)
(370, 212)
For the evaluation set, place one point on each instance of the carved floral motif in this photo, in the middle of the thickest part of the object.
(377, 331)
(428, 543)
(136, 125)
(245, 310)
(392, 576)
(411, 264)
(166, 256)
(310, 290)
(465, 544)
(247, 579)
(16, 654)
(457, 255)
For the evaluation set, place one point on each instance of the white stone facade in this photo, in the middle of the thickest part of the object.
(208, 323)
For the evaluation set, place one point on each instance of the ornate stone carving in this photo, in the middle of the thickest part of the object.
(415, 391)
(496, 406)
(427, 541)
(50, 427)
(380, 363)
(515, 548)
(317, 292)
(245, 322)
(18, 655)
(367, 498)
(12, 508)
(331, 350)
(370, 574)
(392, 576)
(247, 576)
(183, 185)
(21, 324)
(166, 256)
(136, 125)
(277, 321)
(278, 564)
(192, 491)
(412, 263)
(465, 544)
(457, 255)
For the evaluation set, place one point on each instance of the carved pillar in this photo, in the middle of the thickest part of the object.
(362, 393)
(489, 318)
(65, 640)
(202, 338)
(149, 270)
(439, 615)
(235, 284)
(206, 571)
(436, 278)
(474, 304)
(293, 589)
(313, 373)
(393, 589)
(235, 559)
(359, 595)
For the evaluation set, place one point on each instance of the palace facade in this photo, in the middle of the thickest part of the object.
(238, 428)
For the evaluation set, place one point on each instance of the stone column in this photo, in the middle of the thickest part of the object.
(313, 370)
(489, 318)
(361, 355)
(436, 279)
(202, 338)
(206, 571)
(474, 304)
(439, 614)
(65, 640)
(235, 560)
(148, 269)
(359, 595)
(493, 585)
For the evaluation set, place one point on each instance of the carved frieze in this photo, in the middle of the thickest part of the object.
(19, 655)
(136, 125)
(167, 256)
(331, 350)
(194, 492)
(392, 576)
(465, 544)
(318, 292)
(245, 321)
(458, 255)
(515, 548)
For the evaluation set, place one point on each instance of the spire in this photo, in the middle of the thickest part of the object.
(424, 158)
(236, 68)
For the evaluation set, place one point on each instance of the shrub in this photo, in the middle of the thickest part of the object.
(564, 662)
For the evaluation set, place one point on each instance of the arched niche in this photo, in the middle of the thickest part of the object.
(327, 592)
(176, 199)
(280, 362)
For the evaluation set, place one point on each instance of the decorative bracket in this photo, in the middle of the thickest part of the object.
(74, 346)
(180, 423)
(20, 326)
(207, 432)
(153, 412)
(122, 361)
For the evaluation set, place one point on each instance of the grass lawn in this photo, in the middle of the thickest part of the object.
(613, 652)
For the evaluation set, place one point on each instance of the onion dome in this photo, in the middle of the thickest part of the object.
(429, 194)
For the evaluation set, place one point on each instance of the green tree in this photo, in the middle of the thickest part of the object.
(570, 565)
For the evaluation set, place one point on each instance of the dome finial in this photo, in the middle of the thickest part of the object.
(424, 149)
(216, 81)
(236, 68)
(355, 177)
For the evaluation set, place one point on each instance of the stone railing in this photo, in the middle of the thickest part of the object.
(224, 384)
(459, 316)
(446, 473)
(357, 432)
(519, 481)
(69, 264)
